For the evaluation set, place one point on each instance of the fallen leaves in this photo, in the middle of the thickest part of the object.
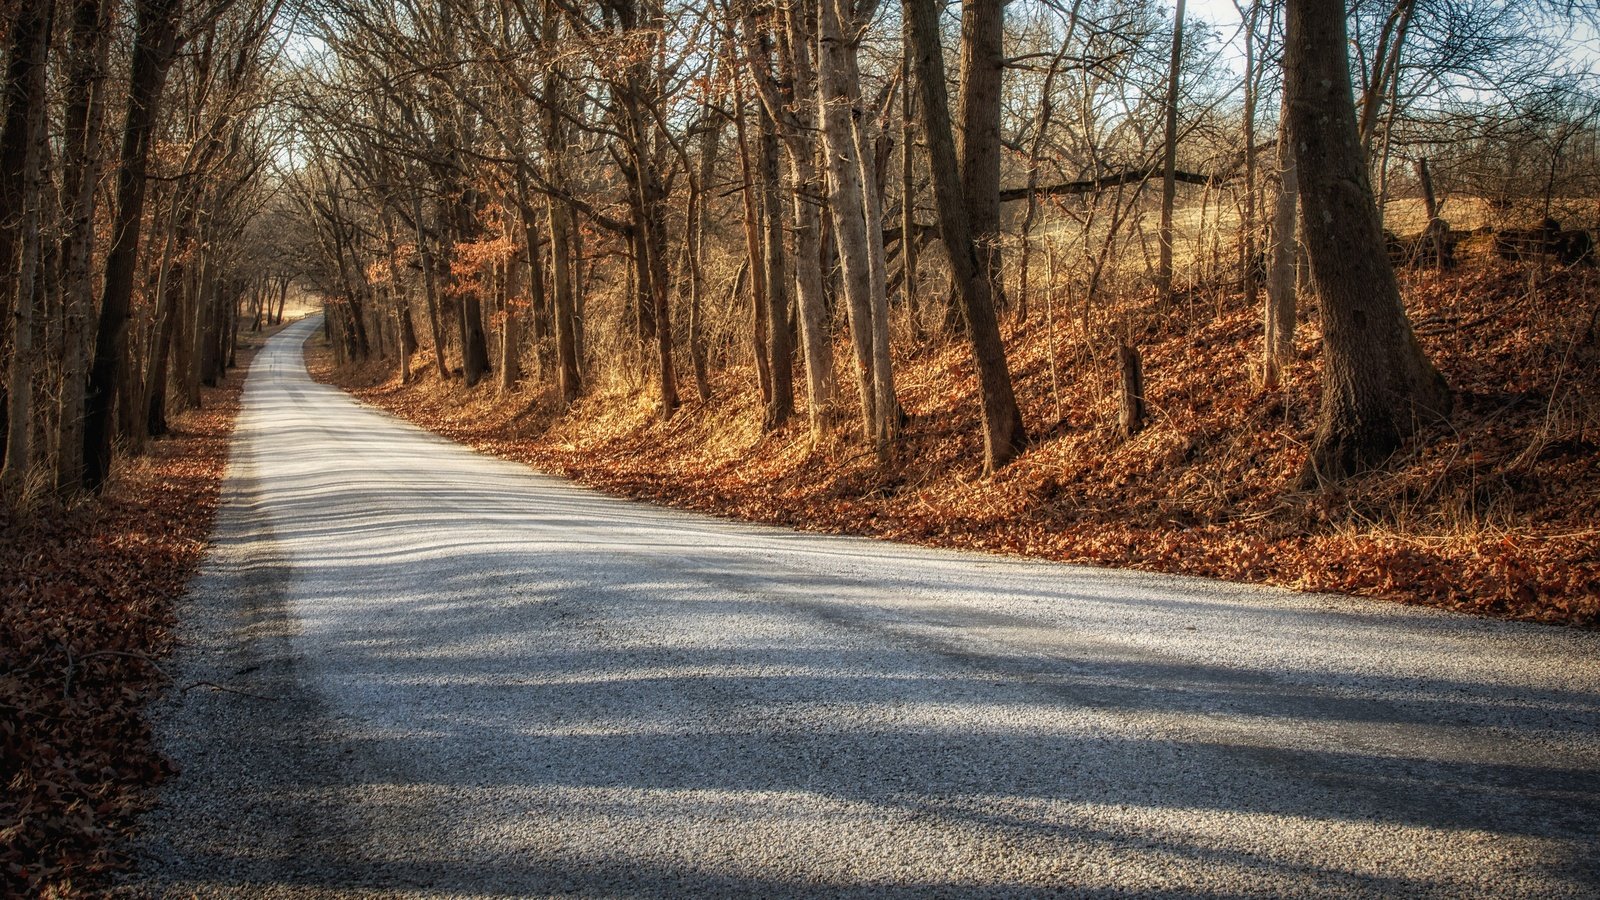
(86, 611)
(1494, 512)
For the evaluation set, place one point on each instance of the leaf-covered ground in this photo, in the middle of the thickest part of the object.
(86, 611)
(1496, 511)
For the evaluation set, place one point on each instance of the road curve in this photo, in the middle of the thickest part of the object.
(449, 676)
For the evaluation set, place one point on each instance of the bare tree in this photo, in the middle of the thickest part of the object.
(156, 35)
(1169, 158)
(1378, 387)
(25, 130)
(1003, 434)
(857, 218)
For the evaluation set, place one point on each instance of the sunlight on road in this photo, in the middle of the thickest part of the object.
(493, 683)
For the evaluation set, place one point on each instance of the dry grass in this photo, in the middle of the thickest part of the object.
(1494, 512)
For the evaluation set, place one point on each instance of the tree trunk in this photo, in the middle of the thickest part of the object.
(1433, 248)
(805, 185)
(779, 351)
(430, 289)
(1283, 274)
(978, 131)
(1378, 387)
(1130, 380)
(208, 326)
(85, 115)
(863, 128)
(754, 238)
(696, 239)
(908, 193)
(847, 201)
(402, 302)
(195, 338)
(654, 243)
(1169, 155)
(29, 92)
(564, 238)
(1247, 232)
(538, 298)
(510, 340)
(156, 36)
(408, 336)
(1385, 71)
(567, 371)
(1003, 434)
(170, 311)
(474, 344)
(23, 105)
(235, 298)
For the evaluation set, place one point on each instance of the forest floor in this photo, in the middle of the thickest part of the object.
(87, 597)
(1496, 511)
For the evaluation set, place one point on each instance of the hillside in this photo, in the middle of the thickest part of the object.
(1494, 512)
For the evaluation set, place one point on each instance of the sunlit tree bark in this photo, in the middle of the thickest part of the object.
(1378, 386)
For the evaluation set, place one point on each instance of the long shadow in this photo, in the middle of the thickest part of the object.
(443, 631)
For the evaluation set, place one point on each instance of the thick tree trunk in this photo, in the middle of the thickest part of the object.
(156, 36)
(235, 298)
(28, 28)
(25, 61)
(978, 131)
(85, 115)
(1003, 435)
(474, 344)
(1378, 387)
(408, 336)
(209, 327)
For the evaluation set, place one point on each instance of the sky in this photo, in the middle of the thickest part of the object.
(1583, 40)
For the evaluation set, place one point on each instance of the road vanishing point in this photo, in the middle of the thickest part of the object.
(447, 675)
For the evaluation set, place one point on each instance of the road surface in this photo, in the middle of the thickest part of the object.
(450, 676)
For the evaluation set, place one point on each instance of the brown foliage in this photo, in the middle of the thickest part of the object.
(1493, 513)
(86, 610)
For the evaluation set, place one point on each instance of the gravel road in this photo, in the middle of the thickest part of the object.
(450, 676)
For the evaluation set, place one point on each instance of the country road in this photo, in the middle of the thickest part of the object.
(449, 676)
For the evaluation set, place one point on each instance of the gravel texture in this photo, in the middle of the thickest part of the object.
(450, 676)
